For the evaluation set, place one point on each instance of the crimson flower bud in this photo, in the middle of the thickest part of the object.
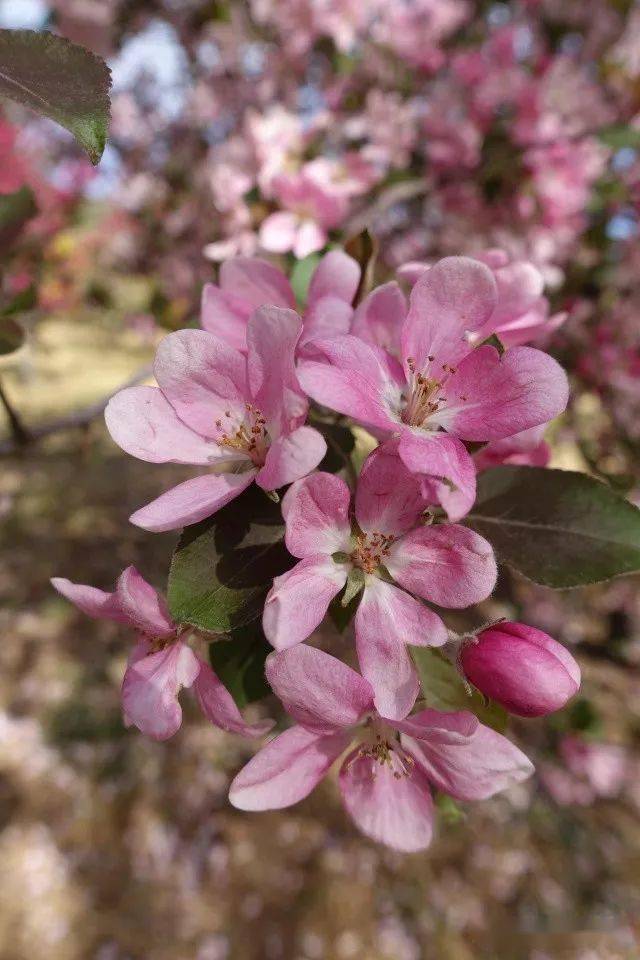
(522, 668)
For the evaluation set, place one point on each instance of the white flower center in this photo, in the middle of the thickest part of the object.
(423, 398)
(381, 747)
(370, 550)
(248, 436)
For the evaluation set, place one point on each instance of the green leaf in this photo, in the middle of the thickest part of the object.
(12, 336)
(16, 209)
(444, 689)
(340, 614)
(301, 276)
(363, 248)
(557, 527)
(494, 341)
(238, 661)
(340, 445)
(59, 80)
(223, 567)
(25, 300)
(620, 135)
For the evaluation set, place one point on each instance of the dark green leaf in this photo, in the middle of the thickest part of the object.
(238, 660)
(444, 689)
(59, 80)
(557, 527)
(340, 445)
(222, 568)
(25, 300)
(301, 276)
(343, 615)
(15, 210)
(363, 248)
(494, 341)
(12, 336)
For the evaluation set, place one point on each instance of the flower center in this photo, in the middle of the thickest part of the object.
(370, 550)
(249, 436)
(381, 746)
(156, 644)
(422, 399)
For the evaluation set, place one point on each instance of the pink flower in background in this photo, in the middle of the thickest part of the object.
(446, 564)
(444, 384)
(311, 209)
(522, 668)
(385, 779)
(562, 174)
(161, 663)
(526, 449)
(215, 407)
(246, 283)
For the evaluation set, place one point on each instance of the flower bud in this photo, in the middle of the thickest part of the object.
(522, 668)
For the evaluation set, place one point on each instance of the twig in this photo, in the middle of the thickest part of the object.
(19, 432)
(81, 418)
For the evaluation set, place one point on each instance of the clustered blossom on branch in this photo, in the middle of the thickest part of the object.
(235, 398)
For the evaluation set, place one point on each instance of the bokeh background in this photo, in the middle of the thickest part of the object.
(446, 126)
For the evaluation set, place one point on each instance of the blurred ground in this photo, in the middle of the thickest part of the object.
(115, 848)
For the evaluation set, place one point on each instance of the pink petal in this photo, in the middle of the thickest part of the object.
(291, 457)
(327, 317)
(316, 513)
(445, 467)
(142, 604)
(520, 284)
(491, 397)
(352, 379)
(144, 424)
(396, 812)
(455, 296)
(299, 599)
(319, 691)
(191, 501)
(286, 770)
(388, 495)
(380, 316)
(257, 282)
(386, 620)
(202, 378)
(447, 564)
(278, 231)
(150, 689)
(219, 707)
(474, 770)
(272, 337)
(438, 726)
(309, 238)
(337, 275)
(93, 602)
(411, 271)
(225, 316)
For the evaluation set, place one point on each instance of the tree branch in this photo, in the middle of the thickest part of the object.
(81, 418)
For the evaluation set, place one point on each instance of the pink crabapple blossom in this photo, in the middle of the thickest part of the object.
(385, 778)
(215, 407)
(446, 390)
(446, 564)
(310, 208)
(246, 283)
(161, 663)
(521, 314)
(525, 670)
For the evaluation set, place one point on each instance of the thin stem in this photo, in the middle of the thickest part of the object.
(19, 432)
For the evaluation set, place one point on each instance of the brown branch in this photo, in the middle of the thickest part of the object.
(79, 419)
(20, 434)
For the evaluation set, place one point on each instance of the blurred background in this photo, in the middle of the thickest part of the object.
(446, 126)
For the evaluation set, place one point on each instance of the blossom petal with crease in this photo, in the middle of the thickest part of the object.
(191, 501)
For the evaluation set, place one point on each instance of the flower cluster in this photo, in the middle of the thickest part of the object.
(416, 364)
